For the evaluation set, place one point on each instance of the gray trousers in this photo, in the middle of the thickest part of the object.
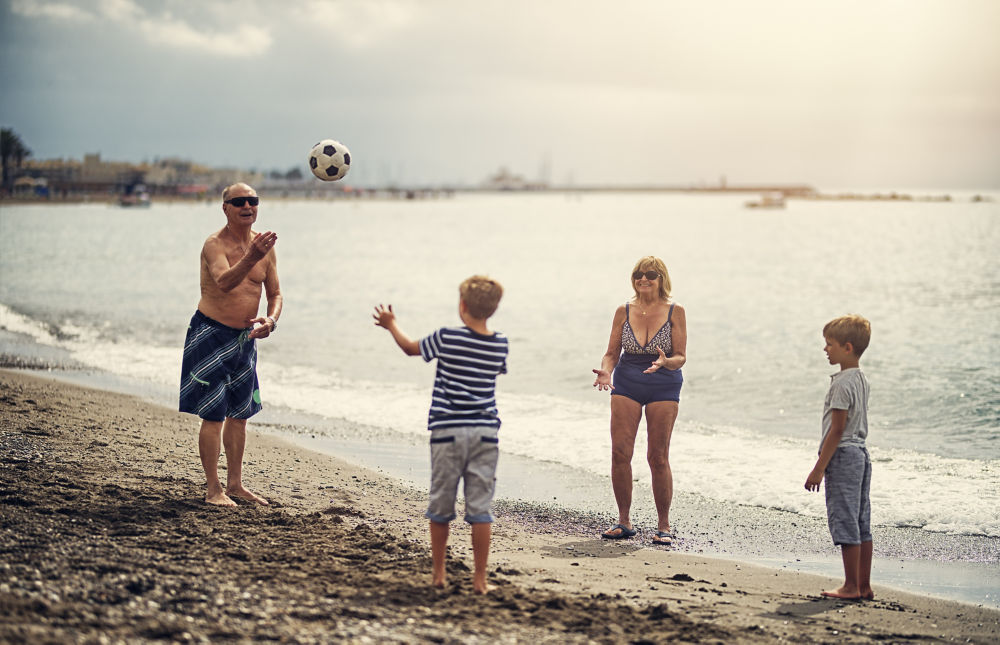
(469, 453)
(848, 479)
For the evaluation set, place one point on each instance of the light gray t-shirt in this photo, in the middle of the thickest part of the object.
(848, 391)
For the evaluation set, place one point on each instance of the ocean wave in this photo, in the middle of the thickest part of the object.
(721, 462)
(947, 495)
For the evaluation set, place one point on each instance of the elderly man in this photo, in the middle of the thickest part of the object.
(219, 373)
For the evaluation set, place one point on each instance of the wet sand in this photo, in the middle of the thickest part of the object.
(104, 536)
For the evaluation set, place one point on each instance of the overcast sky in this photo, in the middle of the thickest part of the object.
(839, 94)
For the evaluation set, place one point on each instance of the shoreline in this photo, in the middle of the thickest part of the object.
(962, 568)
(344, 550)
(958, 568)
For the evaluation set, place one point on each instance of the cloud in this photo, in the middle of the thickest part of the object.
(357, 25)
(55, 10)
(120, 10)
(239, 41)
(851, 93)
(163, 29)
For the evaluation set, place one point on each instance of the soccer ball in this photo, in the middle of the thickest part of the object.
(329, 160)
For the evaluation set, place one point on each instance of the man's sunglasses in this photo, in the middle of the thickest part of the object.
(238, 202)
(650, 275)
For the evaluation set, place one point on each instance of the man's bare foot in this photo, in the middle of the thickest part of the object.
(438, 582)
(843, 593)
(481, 588)
(219, 499)
(868, 594)
(243, 493)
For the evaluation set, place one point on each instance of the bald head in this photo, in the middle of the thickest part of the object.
(243, 188)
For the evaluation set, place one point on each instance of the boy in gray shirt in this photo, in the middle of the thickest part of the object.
(843, 459)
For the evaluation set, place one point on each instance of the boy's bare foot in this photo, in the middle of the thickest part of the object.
(479, 584)
(243, 493)
(438, 582)
(868, 594)
(842, 593)
(219, 499)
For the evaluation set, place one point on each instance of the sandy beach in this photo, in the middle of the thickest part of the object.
(106, 538)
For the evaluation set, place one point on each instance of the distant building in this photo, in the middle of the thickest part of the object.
(505, 180)
(26, 186)
(69, 178)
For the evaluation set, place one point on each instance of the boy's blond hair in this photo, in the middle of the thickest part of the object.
(481, 296)
(852, 329)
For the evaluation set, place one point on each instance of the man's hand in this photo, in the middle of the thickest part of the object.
(261, 327)
(261, 244)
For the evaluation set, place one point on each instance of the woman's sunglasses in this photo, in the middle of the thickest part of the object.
(238, 202)
(650, 275)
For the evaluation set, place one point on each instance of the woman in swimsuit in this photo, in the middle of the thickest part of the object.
(645, 353)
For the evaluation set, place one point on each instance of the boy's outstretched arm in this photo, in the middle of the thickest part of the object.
(384, 317)
(837, 425)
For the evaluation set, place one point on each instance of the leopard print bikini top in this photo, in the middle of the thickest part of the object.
(630, 344)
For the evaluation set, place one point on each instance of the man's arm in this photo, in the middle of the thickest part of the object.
(272, 291)
(228, 277)
(384, 317)
(838, 423)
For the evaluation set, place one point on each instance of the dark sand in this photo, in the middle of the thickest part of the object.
(104, 537)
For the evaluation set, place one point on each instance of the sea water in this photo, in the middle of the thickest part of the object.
(113, 289)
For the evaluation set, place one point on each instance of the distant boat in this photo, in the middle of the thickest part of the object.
(768, 200)
(135, 196)
(135, 200)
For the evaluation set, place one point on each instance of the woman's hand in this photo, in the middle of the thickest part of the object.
(658, 363)
(603, 380)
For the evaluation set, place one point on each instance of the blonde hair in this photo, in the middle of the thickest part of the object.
(852, 329)
(481, 296)
(655, 264)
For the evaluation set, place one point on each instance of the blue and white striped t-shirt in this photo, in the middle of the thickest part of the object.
(465, 382)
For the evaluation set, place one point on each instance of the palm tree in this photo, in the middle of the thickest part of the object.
(12, 153)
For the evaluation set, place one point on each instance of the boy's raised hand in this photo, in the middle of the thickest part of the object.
(384, 316)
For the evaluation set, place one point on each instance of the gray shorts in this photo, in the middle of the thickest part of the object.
(848, 507)
(468, 453)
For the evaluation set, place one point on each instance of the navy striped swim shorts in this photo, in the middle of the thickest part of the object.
(219, 371)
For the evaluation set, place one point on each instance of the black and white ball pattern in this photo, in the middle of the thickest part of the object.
(329, 160)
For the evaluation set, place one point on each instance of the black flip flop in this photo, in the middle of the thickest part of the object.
(664, 538)
(625, 532)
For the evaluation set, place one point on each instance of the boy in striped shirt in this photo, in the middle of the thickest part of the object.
(463, 418)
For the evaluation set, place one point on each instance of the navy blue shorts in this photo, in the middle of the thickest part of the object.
(661, 385)
(219, 371)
